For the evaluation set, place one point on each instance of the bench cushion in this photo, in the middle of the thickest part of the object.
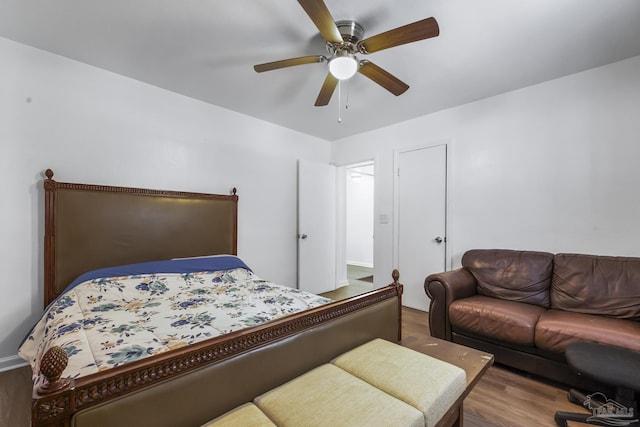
(328, 396)
(428, 384)
(245, 415)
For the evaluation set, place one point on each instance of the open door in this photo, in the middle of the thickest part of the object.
(316, 227)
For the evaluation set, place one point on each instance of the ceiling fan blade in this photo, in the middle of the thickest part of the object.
(419, 30)
(321, 17)
(383, 78)
(328, 87)
(275, 65)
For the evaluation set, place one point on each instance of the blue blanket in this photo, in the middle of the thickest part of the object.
(182, 265)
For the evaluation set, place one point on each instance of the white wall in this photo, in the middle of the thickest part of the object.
(553, 167)
(89, 125)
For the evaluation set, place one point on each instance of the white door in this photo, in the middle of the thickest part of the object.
(421, 178)
(316, 227)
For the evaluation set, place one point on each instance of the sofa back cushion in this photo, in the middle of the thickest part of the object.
(594, 284)
(523, 276)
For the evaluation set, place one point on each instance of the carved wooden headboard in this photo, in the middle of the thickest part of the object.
(95, 226)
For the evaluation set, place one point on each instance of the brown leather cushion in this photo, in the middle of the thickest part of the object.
(556, 329)
(502, 320)
(522, 276)
(601, 285)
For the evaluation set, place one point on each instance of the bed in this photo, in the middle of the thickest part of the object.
(92, 228)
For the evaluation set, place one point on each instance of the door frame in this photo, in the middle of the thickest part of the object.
(449, 144)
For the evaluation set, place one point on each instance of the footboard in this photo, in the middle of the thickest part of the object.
(192, 385)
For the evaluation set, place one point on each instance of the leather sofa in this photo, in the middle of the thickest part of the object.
(525, 307)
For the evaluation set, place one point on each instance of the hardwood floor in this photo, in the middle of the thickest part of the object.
(347, 291)
(15, 397)
(502, 397)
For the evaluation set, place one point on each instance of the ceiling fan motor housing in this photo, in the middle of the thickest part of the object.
(350, 31)
(343, 63)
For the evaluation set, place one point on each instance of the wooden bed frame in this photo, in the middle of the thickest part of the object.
(94, 226)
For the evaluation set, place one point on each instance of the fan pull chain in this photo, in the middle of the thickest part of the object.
(346, 105)
(339, 100)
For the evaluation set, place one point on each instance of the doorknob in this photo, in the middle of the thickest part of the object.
(302, 236)
(438, 240)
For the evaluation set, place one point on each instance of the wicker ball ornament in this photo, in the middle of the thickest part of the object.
(53, 363)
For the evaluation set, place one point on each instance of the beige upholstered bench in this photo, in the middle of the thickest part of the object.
(376, 384)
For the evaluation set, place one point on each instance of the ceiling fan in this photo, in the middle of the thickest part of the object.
(344, 41)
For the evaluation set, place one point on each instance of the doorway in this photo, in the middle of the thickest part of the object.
(359, 216)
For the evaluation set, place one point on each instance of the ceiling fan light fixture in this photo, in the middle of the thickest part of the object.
(343, 65)
(344, 40)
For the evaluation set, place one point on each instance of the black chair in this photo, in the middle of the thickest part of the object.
(612, 367)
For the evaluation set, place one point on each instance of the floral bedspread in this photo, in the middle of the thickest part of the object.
(107, 322)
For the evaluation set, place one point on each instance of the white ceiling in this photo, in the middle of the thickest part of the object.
(206, 49)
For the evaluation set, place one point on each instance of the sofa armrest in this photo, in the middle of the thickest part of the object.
(443, 289)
